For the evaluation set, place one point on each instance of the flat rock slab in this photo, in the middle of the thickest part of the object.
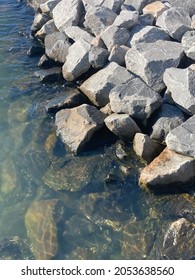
(76, 126)
(49, 75)
(99, 85)
(149, 61)
(134, 98)
(169, 169)
(180, 82)
(182, 138)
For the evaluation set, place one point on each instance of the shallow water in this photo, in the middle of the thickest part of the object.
(102, 214)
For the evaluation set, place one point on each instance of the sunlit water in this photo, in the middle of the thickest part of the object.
(98, 217)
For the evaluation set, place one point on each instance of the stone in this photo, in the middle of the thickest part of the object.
(48, 28)
(114, 35)
(36, 4)
(122, 125)
(98, 18)
(76, 126)
(77, 60)
(187, 5)
(191, 53)
(106, 109)
(155, 9)
(193, 22)
(98, 57)
(35, 50)
(67, 13)
(166, 118)
(146, 148)
(137, 5)
(117, 54)
(97, 42)
(188, 42)
(145, 20)
(149, 61)
(113, 5)
(167, 172)
(39, 21)
(182, 138)
(134, 98)
(126, 19)
(49, 75)
(175, 22)
(76, 33)
(180, 82)
(45, 62)
(48, 6)
(98, 86)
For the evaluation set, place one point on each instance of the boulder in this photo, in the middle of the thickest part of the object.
(98, 57)
(113, 5)
(175, 22)
(106, 109)
(76, 33)
(187, 5)
(166, 118)
(146, 148)
(35, 50)
(188, 42)
(126, 19)
(99, 85)
(149, 61)
(98, 18)
(122, 125)
(97, 42)
(45, 62)
(169, 170)
(36, 4)
(49, 75)
(180, 82)
(48, 28)
(182, 138)
(193, 22)
(117, 54)
(77, 60)
(76, 126)
(48, 6)
(155, 9)
(39, 21)
(137, 5)
(114, 35)
(67, 13)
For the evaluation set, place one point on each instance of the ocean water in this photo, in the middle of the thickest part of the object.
(52, 202)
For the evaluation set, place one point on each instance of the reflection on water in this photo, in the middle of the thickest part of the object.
(55, 205)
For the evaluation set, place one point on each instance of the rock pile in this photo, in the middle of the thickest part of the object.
(135, 63)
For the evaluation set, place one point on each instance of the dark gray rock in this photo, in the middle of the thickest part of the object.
(134, 98)
(166, 118)
(175, 22)
(149, 61)
(76, 33)
(46, 62)
(187, 5)
(188, 42)
(117, 54)
(98, 57)
(35, 50)
(126, 19)
(48, 6)
(48, 28)
(39, 21)
(76, 126)
(113, 5)
(49, 75)
(182, 138)
(180, 82)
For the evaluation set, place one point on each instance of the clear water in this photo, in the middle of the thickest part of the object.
(95, 218)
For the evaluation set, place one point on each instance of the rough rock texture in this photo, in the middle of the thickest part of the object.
(187, 5)
(117, 54)
(180, 82)
(45, 62)
(149, 61)
(48, 28)
(39, 21)
(77, 60)
(137, 4)
(48, 6)
(76, 126)
(98, 57)
(76, 33)
(99, 85)
(134, 98)
(126, 19)
(188, 42)
(36, 4)
(166, 118)
(113, 5)
(146, 148)
(156, 8)
(175, 22)
(59, 51)
(122, 125)
(182, 138)
(49, 75)
(169, 169)
(67, 13)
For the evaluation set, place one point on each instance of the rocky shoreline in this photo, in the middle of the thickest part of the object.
(134, 65)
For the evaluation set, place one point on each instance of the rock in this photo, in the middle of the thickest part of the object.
(188, 42)
(134, 98)
(122, 125)
(67, 13)
(48, 6)
(166, 118)
(126, 19)
(99, 85)
(76, 126)
(149, 61)
(113, 5)
(76, 33)
(182, 138)
(39, 21)
(147, 19)
(8, 176)
(137, 5)
(180, 82)
(48, 28)
(97, 42)
(147, 34)
(106, 109)
(46, 62)
(36, 4)
(146, 148)
(42, 229)
(35, 50)
(155, 9)
(49, 75)
(193, 22)
(167, 172)
(77, 60)
(50, 143)
(175, 22)
(98, 57)
(191, 52)
(188, 5)
(114, 35)
(98, 18)
(117, 54)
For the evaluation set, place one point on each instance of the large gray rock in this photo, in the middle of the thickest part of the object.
(126, 19)
(113, 5)
(48, 28)
(149, 61)
(134, 98)
(169, 169)
(39, 21)
(98, 57)
(180, 82)
(137, 5)
(166, 118)
(98, 18)
(117, 54)
(99, 85)
(175, 22)
(122, 125)
(77, 60)
(67, 13)
(76, 33)
(76, 126)
(182, 138)
(188, 42)
(48, 6)
(187, 5)
(36, 4)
